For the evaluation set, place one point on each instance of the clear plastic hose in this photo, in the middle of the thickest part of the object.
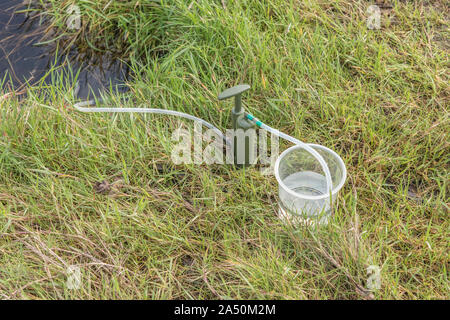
(313, 152)
(80, 106)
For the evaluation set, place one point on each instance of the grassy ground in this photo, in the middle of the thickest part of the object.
(101, 192)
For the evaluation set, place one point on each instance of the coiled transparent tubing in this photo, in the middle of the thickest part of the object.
(81, 106)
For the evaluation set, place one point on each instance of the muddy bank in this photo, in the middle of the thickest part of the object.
(28, 53)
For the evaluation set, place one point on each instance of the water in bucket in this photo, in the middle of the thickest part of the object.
(304, 198)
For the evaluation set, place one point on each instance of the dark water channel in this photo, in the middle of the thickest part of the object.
(23, 61)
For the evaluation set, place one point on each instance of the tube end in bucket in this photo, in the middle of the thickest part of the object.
(303, 195)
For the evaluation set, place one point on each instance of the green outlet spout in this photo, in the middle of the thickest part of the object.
(244, 139)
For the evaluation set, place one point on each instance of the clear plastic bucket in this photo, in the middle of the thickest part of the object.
(304, 198)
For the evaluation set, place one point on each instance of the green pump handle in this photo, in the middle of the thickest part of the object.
(235, 92)
(238, 115)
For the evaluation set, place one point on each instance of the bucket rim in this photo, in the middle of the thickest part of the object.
(303, 196)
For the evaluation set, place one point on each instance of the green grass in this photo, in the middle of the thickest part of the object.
(379, 98)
